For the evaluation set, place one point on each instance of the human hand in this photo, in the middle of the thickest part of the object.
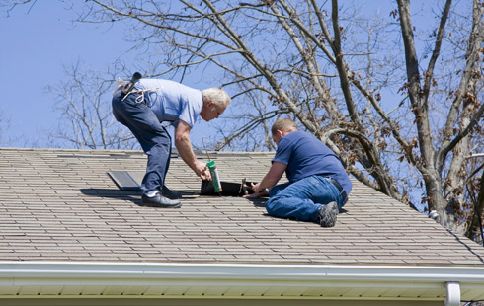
(252, 195)
(258, 192)
(202, 171)
(255, 187)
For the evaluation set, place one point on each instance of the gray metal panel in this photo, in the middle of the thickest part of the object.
(124, 181)
(137, 176)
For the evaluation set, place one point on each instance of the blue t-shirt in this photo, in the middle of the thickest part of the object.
(305, 155)
(172, 101)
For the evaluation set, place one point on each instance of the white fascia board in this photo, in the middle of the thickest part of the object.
(302, 277)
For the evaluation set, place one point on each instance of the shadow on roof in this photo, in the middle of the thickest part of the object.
(130, 195)
(259, 202)
(133, 196)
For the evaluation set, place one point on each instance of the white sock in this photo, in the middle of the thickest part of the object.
(151, 193)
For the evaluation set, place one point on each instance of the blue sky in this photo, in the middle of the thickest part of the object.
(36, 45)
(38, 41)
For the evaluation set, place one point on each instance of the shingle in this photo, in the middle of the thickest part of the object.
(62, 205)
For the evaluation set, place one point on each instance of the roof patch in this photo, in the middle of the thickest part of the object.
(124, 180)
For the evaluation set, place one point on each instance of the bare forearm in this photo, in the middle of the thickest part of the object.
(268, 181)
(184, 146)
(271, 179)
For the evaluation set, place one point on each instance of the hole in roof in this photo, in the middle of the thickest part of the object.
(228, 188)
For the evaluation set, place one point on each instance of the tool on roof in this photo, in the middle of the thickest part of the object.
(214, 174)
(244, 188)
(130, 85)
(212, 168)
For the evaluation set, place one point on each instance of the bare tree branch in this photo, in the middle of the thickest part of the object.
(281, 57)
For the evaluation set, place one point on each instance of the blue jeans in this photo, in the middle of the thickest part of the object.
(151, 135)
(302, 200)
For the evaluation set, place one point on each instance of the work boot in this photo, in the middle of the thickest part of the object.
(328, 214)
(157, 200)
(170, 194)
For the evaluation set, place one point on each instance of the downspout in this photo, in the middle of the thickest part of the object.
(452, 297)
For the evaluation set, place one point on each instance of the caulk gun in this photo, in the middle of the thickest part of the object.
(217, 187)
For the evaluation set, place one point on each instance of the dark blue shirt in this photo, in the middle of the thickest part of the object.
(305, 155)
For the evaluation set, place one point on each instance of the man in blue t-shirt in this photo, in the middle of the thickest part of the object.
(318, 184)
(142, 107)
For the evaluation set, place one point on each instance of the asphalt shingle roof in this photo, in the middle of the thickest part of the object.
(60, 205)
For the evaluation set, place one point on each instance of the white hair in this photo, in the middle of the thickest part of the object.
(217, 96)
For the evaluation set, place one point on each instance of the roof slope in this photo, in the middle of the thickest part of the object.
(60, 205)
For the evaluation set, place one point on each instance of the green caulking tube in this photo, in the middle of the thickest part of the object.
(214, 173)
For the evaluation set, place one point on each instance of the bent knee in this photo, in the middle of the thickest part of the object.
(273, 206)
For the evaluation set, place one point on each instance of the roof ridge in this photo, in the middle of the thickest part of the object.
(235, 153)
(107, 151)
(68, 150)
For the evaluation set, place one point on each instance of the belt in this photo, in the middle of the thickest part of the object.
(336, 184)
(340, 189)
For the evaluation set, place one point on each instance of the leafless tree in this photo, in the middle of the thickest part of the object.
(8, 6)
(402, 110)
(300, 58)
(86, 120)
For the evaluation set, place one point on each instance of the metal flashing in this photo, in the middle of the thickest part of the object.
(124, 181)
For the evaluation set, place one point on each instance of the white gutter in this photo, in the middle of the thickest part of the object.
(447, 280)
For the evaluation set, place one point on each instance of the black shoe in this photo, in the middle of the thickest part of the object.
(328, 214)
(157, 200)
(170, 194)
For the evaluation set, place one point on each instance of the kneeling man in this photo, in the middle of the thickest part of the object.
(318, 184)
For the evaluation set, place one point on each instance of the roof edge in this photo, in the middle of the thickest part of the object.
(246, 271)
(304, 278)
